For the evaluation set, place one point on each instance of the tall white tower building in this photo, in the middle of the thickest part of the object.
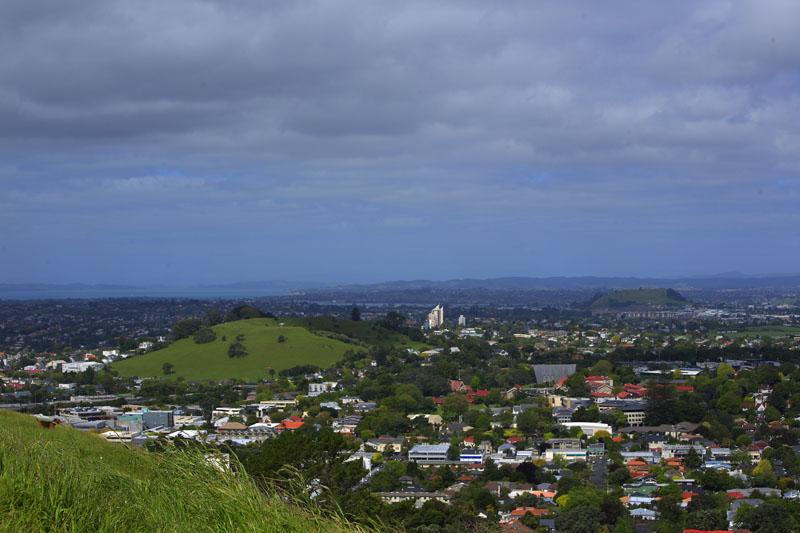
(436, 317)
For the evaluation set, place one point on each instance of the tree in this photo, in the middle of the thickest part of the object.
(360, 505)
(670, 513)
(582, 497)
(778, 397)
(691, 407)
(624, 525)
(764, 474)
(204, 335)
(768, 517)
(355, 314)
(281, 339)
(730, 402)
(669, 504)
(577, 385)
(725, 370)
(245, 312)
(314, 455)
(237, 349)
(475, 383)
(704, 502)
(619, 476)
(579, 520)
(602, 368)
(715, 481)
(661, 404)
(383, 482)
(582, 414)
(212, 318)
(455, 405)
(167, 368)
(706, 519)
(771, 414)
(528, 421)
(184, 328)
(693, 460)
(768, 375)
(740, 457)
(453, 452)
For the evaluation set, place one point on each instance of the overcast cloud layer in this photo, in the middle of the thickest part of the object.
(363, 141)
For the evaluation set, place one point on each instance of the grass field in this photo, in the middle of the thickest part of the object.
(63, 480)
(210, 361)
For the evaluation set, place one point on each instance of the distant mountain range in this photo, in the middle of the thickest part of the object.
(32, 291)
(722, 281)
(728, 280)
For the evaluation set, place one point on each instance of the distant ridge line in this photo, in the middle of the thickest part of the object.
(729, 280)
(741, 281)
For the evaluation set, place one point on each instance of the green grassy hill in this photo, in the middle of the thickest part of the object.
(210, 361)
(639, 298)
(302, 346)
(63, 480)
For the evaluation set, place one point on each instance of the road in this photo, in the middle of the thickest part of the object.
(599, 471)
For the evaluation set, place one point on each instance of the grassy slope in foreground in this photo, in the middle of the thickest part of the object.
(65, 480)
(639, 298)
(210, 361)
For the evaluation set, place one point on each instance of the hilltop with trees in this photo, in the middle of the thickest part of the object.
(638, 299)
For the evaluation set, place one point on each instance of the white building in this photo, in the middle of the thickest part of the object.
(571, 455)
(427, 453)
(226, 412)
(315, 389)
(462, 321)
(589, 428)
(82, 366)
(436, 317)
(56, 365)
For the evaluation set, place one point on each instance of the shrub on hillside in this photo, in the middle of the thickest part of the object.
(184, 328)
(237, 349)
(204, 335)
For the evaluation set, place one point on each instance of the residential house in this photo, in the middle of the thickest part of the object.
(386, 444)
(240, 432)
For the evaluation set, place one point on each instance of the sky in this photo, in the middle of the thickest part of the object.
(206, 142)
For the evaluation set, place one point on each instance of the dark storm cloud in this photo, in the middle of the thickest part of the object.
(373, 122)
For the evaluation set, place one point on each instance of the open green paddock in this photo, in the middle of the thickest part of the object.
(194, 361)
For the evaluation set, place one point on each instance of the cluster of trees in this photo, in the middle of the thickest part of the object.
(245, 312)
(298, 458)
(299, 370)
(184, 328)
(204, 335)
(297, 461)
(200, 328)
(237, 348)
